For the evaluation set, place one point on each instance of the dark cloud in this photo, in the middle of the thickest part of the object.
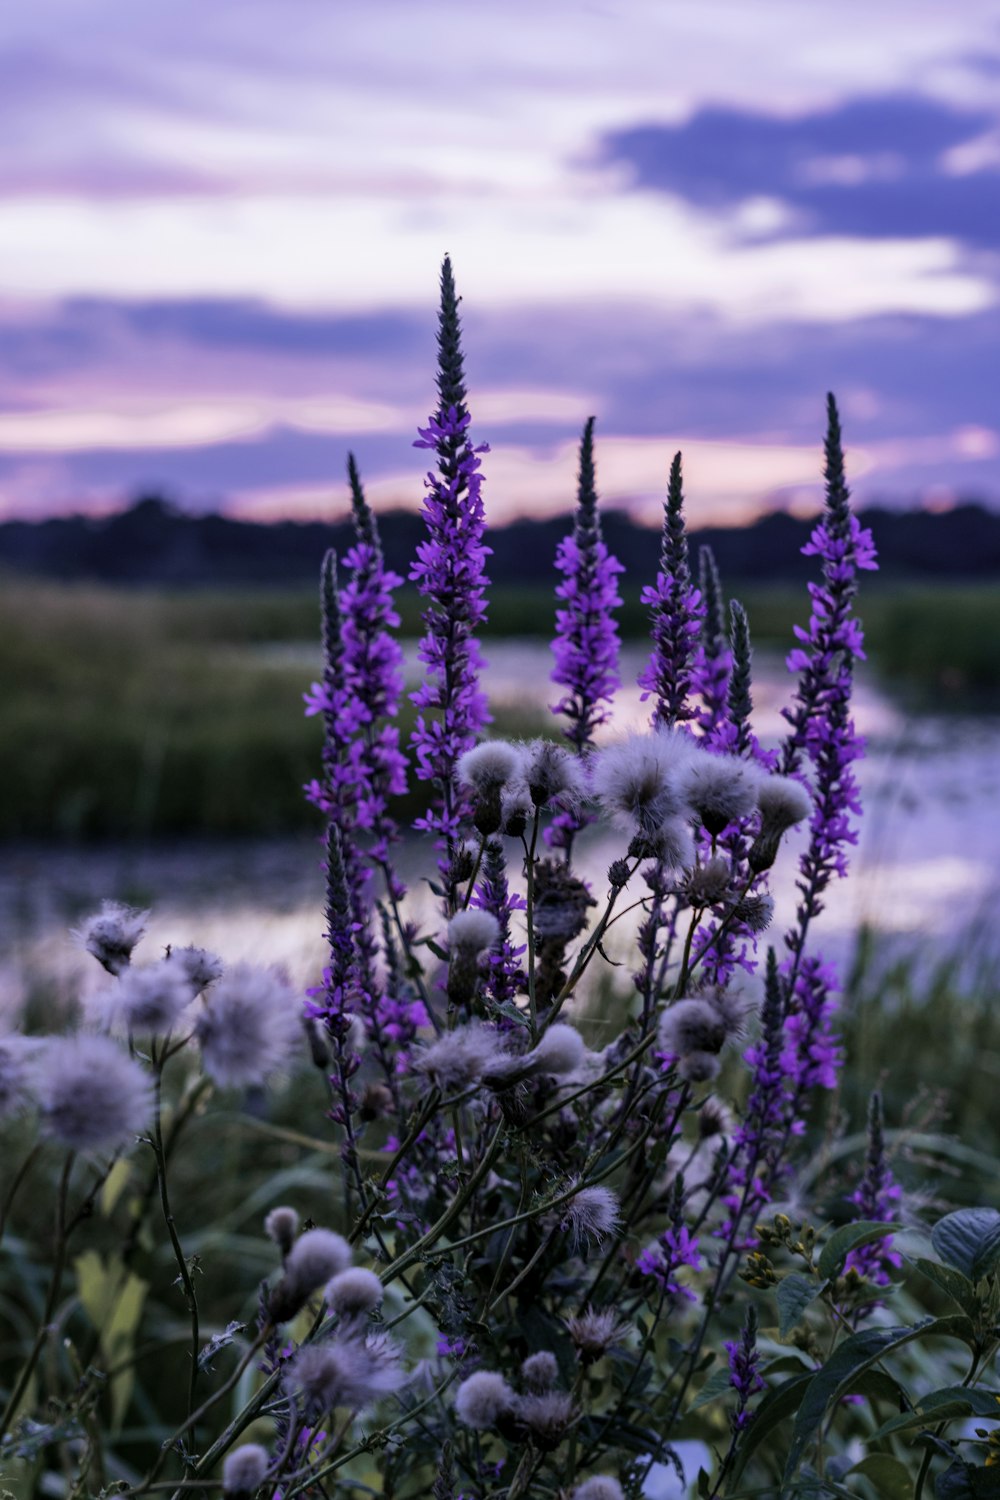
(869, 167)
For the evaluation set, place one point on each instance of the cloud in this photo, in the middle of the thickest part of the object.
(878, 167)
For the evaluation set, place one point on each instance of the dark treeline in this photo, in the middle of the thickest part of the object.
(155, 543)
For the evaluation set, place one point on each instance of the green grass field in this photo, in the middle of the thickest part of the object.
(140, 714)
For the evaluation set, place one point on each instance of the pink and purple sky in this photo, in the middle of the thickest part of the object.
(222, 224)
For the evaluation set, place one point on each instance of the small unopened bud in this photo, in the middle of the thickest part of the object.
(618, 874)
(281, 1226)
(244, 1470)
(756, 912)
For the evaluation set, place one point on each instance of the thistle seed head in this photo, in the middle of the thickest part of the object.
(483, 1399)
(112, 933)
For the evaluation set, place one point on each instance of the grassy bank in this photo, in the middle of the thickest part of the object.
(128, 713)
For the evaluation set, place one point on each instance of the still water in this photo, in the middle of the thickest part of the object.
(926, 870)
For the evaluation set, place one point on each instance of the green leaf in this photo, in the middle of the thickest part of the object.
(890, 1476)
(842, 1370)
(794, 1294)
(715, 1386)
(780, 1402)
(847, 1238)
(958, 1287)
(113, 1299)
(945, 1405)
(969, 1240)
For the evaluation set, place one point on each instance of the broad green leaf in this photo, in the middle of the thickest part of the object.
(794, 1294)
(890, 1476)
(958, 1287)
(715, 1386)
(847, 1238)
(855, 1355)
(114, 1185)
(113, 1299)
(944, 1406)
(969, 1240)
(780, 1402)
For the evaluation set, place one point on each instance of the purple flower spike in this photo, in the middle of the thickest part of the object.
(876, 1198)
(586, 644)
(677, 616)
(744, 1371)
(713, 659)
(450, 574)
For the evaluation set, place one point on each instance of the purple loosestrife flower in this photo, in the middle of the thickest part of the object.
(449, 573)
(586, 644)
(876, 1198)
(744, 1371)
(762, 1135)
(822, 731)
(373, 661)
(713, 660)
(673, 1250)
(505, 977)
(676, 615)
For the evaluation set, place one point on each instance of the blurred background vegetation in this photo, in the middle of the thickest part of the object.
(152, 712)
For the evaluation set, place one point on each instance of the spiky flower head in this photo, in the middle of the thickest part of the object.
(112, 933)
(483, 1399)
(244, 1470)
(548, 1416)
(692, 1026)
(562, 902)
(707, 884)
(91, 1094)
(591, 1215)
(200, 967)
(250, 1027)
(595, 1331)
(354, 1292)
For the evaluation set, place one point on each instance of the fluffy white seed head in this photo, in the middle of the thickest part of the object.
(483, 1399)
(699, 1067)
(540, 1371)
(151, 1000)
(460, 1057)
(561, 1050)
(92, 1095)
(551, 771)
(591, 1215)
(243, 1471)
(547, 1415)
(488, 766)
(200, 967)
(782, 802)
(473, 930)
(314, 1258)
(672, 843)
(112, 933)
(281, 1226)
(720, 788)
(637, 779)
(249, 1028)
(353, 1292)
(599, 1487)
(595, 1331)
(692, 1026)
(349, 1374)
(515, 810)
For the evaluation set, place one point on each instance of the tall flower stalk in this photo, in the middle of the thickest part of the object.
(586, 644)
(713, 659)
(677, 613)
(450, 574)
